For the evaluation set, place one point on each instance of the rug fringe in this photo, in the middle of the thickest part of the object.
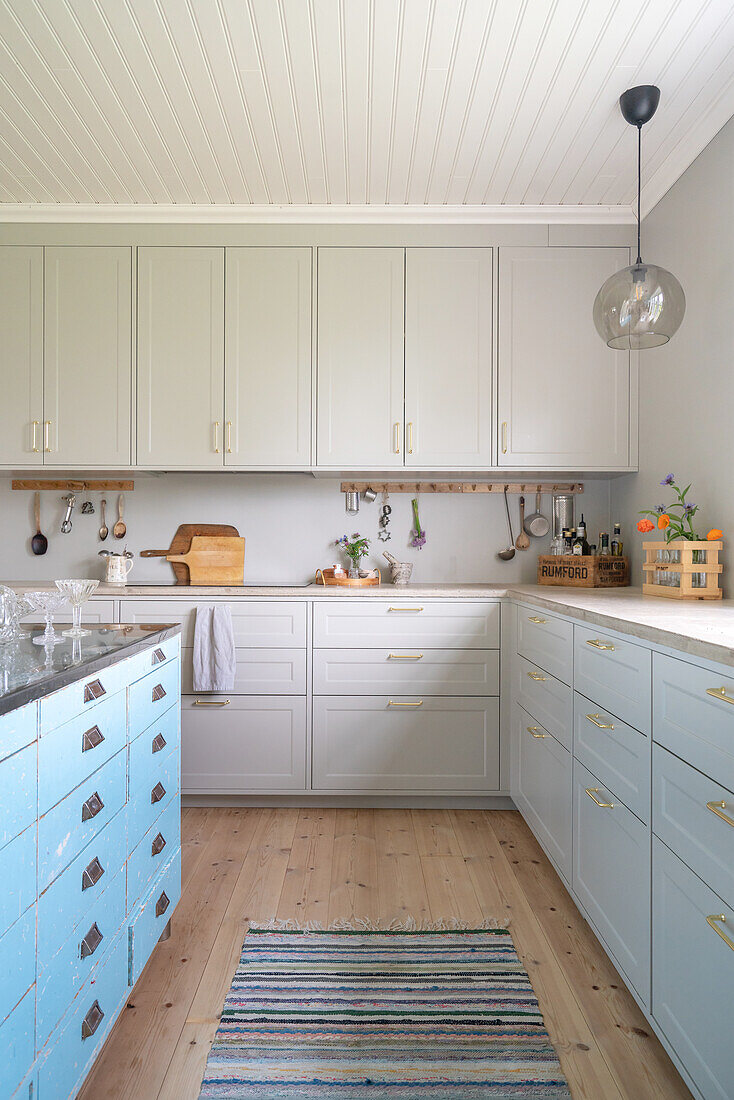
(366, 924)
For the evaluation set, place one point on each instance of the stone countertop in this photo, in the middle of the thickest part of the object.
(29, 671)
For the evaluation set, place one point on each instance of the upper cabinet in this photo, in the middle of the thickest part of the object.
(448, 357)
(564, 397)
(180, 357)
(87, 356)
(360, 357)
(267, 378)
(21, 352)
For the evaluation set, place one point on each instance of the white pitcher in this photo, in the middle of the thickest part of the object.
(117, 566)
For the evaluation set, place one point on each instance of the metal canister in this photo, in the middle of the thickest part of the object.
(562, 513)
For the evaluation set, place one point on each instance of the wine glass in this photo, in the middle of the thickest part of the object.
(77, 593)
(48, 603)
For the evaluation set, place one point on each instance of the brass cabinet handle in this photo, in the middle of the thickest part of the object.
(228, 437)
(46, 435)
(92, 738)
(396, 438)
(158, 845)
(398, 703)
(720, 693)
(92, 807)
(162, 904)
(592, 793)
(405, 609)
(713, 922)
(598, 644)
(535, 619)
(34, 444)
(410, 437)
(91, 941)
(212, 702)
(159, 742)
(216, 437)
(534, 676)
(92, 873)
(92, 1020)
(504, 437)
(533, 731)
(405, 656)
(595, 719)
(716, 808)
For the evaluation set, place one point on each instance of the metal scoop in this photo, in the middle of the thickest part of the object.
(509, 553)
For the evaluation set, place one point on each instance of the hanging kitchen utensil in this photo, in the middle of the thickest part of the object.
(522, 542)
(509, 552)
(70, 501)
(39, 542)
(87, 506)
(103, 528)
(536, 523)
(120, 530)
(383, 534)
(417, 535)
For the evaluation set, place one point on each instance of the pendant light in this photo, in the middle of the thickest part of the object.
(640, 306)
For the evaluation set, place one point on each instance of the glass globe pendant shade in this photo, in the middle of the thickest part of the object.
(639, 307)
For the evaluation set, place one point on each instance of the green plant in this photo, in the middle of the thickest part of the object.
(355, 548)
(676, 520)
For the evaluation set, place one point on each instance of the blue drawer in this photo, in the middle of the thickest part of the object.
(151, 786)
(548, 700)
(153, 851)
(18, 729)
(86, 1026)
(70, 753)
(155, 657)
(82, 697)
(154, 914)
(615, 674)
(68, 827)
(616, 753)
(153, 695)
(73, 893)
(18, 871)
(18, 792)
(17, 1044)
(59, 982)
(546, 641)
(17, 961)
(161, 736)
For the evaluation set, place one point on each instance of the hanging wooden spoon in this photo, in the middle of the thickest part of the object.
(120, 530)
(522, 542)
(39, 542)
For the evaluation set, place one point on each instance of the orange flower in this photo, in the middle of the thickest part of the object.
(645, 526)
(663, 521)
(714, 534)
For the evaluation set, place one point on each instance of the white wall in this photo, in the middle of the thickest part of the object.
(289, 521)
(687, 386)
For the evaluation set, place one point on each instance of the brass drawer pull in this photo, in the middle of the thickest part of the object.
(535, 676)
(212, 702)
(92, 1020)
(157, 693)
(405, 656)
(216, 437)
(92, 807)
(592, 793)
(92, 738)
(158, 845)
(92, 873)
(533, 731)
(158, 657)
(595, 719)
(47, 435)
(91, 941)
(93, 690)
(720, 693)
(412, 609)
(599, 644)
(535, 619)
(716, 808)
(162, 904)
(396, 438)
(713, 922)
(398, 703)
(159, 742)
(157, 793)
(410, 437)
(504, 437)
(34, 444)
(229, 437)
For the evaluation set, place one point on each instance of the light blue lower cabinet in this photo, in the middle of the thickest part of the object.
(149, 922)
(18, 792)
(17, 961)
(16, 1045)
(611, 875)
(153, 851)
(543, 782)
(693, 973)
(17, 865)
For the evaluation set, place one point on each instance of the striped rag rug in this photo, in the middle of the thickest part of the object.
(368, 1015)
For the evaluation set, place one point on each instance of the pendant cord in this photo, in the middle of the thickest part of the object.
(639, 186)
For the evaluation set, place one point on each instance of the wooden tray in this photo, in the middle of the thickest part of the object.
(181, 544)
(327, 577)
(584, 570)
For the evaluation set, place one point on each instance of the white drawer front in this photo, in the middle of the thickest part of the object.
(614, 673)
(544, 787)
(695, 817)
(548, 700)
(693, 724)
(93, 612)
(373, 743)
(253, 743)
(429, 672)
(616, 753)
(257, 623)
(405, 622)
(547, 641)
(258, 672)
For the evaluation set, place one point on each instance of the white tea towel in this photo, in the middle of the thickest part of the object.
(214, 655)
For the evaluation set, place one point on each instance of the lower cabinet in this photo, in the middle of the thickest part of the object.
(149, 923)
(611, 875)
(542, 787)
(693, 972)
(401, 743)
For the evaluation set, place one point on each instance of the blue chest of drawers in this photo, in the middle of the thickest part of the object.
(90, 859)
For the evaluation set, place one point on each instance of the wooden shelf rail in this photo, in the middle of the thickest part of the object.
(67, 485)
(463, 486)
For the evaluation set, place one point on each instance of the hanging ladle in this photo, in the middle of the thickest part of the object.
(509, 553)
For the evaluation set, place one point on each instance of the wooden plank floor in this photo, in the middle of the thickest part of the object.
(318, 864)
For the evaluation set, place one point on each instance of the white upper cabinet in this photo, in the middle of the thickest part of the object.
(21, 355)
(88, 348)
(267, 379)
(360, 357)
(180, 357)
(448, 357)
(564, 397)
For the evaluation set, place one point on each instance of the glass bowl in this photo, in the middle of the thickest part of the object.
(77, 592)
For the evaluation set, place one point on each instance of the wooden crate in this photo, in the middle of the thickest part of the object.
(584, 570)
(683, 571)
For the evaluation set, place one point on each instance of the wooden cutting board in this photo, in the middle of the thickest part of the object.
(181, 543)
(213, 560)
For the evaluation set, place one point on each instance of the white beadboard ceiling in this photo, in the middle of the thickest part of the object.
(350, 110)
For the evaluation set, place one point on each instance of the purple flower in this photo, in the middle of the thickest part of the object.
(659, 508)
(690, 508)
(669, 480)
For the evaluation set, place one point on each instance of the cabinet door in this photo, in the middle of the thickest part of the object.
(21, 341)
(448, 357)
(564, 397)
(542, 787)
(180, 357)
(268, 357)
(88, 356)
(360, 357)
